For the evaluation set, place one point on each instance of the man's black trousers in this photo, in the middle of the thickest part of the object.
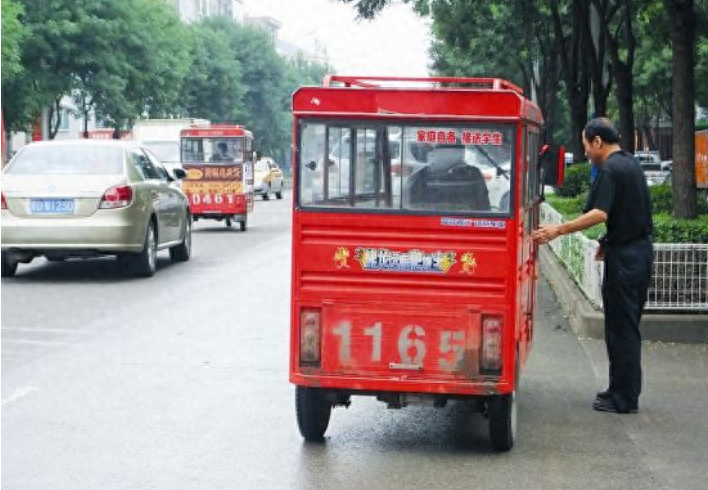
(624, 293)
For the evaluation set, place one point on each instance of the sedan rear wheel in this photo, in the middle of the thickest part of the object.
(9, 265)
(266, 193)
(279, 194)
(182, 252)
(144, 263)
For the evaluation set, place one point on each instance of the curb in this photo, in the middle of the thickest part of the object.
(586, 321)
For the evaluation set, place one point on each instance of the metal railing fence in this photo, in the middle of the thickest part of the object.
(679, 279)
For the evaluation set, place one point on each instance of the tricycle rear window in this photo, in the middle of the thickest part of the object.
(436, 167)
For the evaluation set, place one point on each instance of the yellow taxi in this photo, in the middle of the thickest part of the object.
(268, 179)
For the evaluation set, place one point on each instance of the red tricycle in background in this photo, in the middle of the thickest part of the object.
(218, 161)
(413, 271)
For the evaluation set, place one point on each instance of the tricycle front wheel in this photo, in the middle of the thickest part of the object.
(313, 412)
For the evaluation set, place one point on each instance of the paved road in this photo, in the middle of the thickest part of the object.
(180, 382)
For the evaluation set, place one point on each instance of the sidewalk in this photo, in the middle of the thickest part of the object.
(664, 446)
(588, 322)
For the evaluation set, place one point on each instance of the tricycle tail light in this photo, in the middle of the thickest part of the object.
(310, 336)
(491, 356)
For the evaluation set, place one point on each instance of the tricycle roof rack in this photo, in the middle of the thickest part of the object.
(398, 82)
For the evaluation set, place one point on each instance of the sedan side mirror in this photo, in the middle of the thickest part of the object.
(179, 173)
(311, 165)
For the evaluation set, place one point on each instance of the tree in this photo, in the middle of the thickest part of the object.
(149, 62)
(213, 88)
(616, 20)
(47, 54)
(573, 44)
(13, 33)
(470, 43)
(652, 76)
(262, 75)
(682, 16)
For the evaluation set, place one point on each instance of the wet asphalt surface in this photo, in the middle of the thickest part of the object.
(180, 382)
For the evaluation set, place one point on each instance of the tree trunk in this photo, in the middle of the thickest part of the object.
(596, 42)
(573, 51)
(116, 133)
(54, 109)
(579, 116)
(683, 27)
(548, 93)
(623, 76)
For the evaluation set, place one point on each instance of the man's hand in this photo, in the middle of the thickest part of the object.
(546, 233)
(600, 253)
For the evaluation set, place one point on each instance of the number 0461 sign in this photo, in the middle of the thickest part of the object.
(411, 347)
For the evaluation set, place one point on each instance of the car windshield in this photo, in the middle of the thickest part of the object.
(68, 160)
(165, 151)
(212, 150)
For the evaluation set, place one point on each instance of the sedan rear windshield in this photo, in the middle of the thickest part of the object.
(68, 160)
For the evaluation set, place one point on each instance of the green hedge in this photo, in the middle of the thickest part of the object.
(576, 180)
(667, 229)
(662, 200)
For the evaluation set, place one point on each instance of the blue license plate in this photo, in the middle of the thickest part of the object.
(52, 206)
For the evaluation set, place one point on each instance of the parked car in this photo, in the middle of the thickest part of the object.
(654, 170)
(267, 179)
(84, 199)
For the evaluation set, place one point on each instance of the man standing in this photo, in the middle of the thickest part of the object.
(619, 197)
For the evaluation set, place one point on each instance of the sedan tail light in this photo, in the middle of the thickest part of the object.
(491, 358)
(117, 197)
(310, 336)
(4, 202)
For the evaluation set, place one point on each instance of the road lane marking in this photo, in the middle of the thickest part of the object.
(17, 394)
(43, 330)
(33, 342)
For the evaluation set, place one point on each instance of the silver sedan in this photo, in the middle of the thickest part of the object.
(84, 198)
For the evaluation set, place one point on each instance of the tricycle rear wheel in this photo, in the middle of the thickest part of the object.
(313, 412)
(502, 421)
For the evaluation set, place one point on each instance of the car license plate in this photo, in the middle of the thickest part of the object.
(52, 206)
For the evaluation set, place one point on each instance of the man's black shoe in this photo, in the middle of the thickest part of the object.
(603, 395)
(607, 405)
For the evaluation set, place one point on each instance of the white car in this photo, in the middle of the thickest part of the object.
(655, 171)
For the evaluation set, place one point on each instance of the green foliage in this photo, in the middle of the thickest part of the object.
(666, 228)
(149, 62)
(213, 88)
(576, 180)
(662, 200)
(13, 33)
(262, 77)
(568, 206)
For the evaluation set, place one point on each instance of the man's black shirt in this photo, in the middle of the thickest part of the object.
(620, 190)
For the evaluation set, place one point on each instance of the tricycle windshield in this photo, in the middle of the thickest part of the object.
(219, 150)
(406, 167)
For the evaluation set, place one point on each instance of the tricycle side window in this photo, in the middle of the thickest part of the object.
(409, 167)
